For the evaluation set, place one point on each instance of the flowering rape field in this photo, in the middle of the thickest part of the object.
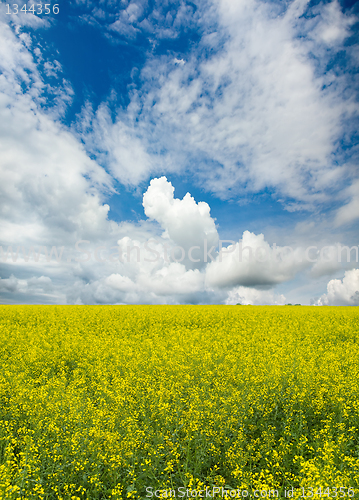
(102, 402)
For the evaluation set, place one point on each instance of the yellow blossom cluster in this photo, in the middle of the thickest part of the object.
(102, 402)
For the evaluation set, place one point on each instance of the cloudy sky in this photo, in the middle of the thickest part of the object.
(173, 151)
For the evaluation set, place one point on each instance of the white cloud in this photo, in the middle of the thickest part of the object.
(51, 192)
(148, 275)
(42, 178)
(118, 145)
(243, 118)
(170, 283)
(52, 68)
(42, 166)
(40, 289)
(253, 262)
(332, 258)
(350, 211)
(21, 18)
(162, 20)
(343, 292)
(185, 222)
(332, 26)
(252, 108)
(252, 296)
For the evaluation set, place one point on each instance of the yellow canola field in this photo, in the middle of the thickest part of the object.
(102, 402)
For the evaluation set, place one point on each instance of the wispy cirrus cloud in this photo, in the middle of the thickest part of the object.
(253, 106)
(128, 19)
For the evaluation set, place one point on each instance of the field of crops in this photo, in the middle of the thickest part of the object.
(112, 402)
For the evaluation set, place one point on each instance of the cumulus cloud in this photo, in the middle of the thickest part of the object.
(143, 268)
(343, 292)
(251, 296)
(253, 262)
(141, 279)
(167, 283)
(272, 123)
(40, 289)
(50, 190)
(187, 223)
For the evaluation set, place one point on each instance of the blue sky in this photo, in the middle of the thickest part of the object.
(188, 123)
